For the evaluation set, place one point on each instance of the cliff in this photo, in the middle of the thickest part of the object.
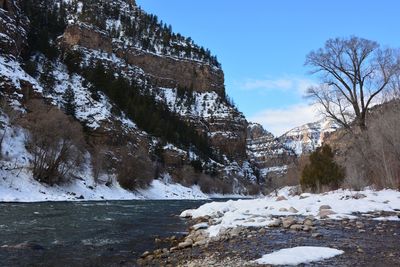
(142, 93)
(267, 152)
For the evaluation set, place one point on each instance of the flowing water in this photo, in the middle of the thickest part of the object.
(110, 233)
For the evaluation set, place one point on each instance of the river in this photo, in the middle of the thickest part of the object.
(108, 233)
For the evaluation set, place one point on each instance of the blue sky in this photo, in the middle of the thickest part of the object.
(262, 45)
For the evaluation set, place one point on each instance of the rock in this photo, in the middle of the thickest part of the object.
(283, 209)
(307, 228)
(324, 214)
(200, 226)
(219, 214)
(145, 254)
(200, 243)
(262, 231)
(235, 231)
(80, 197)
(287, 222)
(157, 252)
(187, 243)
(173, 249)
(360, 250)
(275, 223)
(316, 235)
(293, 210)
(296, 227)
(359, 196)
(325, 207)
(304, 195)
(280, 198)
(361, 231)
(308, 222)
(359, 225)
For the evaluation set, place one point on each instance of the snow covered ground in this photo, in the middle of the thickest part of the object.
(259, 212)
(298, 255)
(25, 189)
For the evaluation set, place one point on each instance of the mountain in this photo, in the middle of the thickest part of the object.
(272, 155)
(267, 152)
(108, 82)
(308, 137)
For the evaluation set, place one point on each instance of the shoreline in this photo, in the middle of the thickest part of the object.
(365, 241)
(363, 225)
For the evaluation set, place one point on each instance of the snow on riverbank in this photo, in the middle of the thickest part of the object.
(23, 189)
(258, 212)
(299, 255)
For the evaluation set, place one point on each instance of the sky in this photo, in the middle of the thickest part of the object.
(262, 45)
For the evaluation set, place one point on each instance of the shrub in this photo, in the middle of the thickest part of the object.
(135, 170)
(374, 155)
(55, 142)
(322, 170)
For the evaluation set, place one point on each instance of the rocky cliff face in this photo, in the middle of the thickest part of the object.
(306, 138)
(13, 28)
(267, 152)
(166, 71)
(68, 40)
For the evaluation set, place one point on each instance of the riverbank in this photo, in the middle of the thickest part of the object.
(375, 244)
(22, 188)
(363, 226)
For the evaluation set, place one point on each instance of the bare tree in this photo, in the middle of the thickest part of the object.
(354, 71)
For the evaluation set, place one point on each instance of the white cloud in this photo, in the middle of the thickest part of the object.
(279, 121)
(296, 83)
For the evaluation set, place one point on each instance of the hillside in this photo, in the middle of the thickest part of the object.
(141, 101)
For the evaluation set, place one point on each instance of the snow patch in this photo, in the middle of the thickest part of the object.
(299, 255)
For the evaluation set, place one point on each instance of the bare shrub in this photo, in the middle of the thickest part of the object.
(206, 184)
(135, 169)
(186, 175)
(55, 141)
(253, 189)
(102, 162)
(374, 156)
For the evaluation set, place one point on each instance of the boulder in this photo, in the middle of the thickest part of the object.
(280, 198)
(293, 210)
(296, 227)
(308, 222)
(325, 207)
(187, 243)
(288, 221)
(275, 223)
(324, 213)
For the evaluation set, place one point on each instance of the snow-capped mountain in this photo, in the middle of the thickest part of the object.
(272, 155)
(308, 137)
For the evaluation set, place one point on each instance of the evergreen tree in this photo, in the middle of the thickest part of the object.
(322, 170)
(69, 101)
(47, 79)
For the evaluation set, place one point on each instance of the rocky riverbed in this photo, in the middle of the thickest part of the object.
(364, 240)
